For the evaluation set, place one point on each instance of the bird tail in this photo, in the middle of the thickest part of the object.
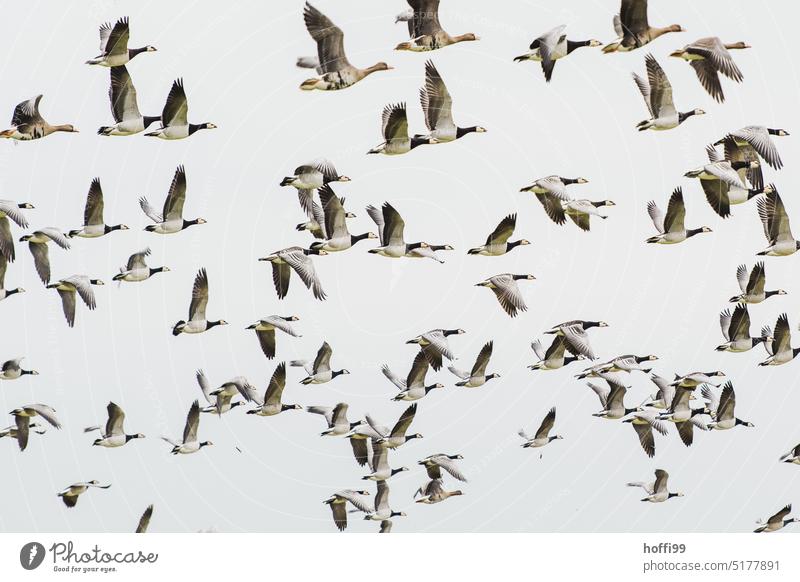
(652, 239)
(611, 47)
(643, 125)
(177, 329)
(287, 181)
(105, 130)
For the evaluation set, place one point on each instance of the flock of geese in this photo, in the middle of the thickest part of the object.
(691, 402)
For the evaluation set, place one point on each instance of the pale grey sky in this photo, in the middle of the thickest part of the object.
(237, 62)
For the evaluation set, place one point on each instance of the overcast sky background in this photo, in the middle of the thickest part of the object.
(237, 62)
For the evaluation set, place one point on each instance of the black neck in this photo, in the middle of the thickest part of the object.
(568, 181)
(23, 372)
(461, 131)
(148, 119)
(285, 407)
(113, 228)
(429, 388)
(773, 131)
(512, 244)
(336, 373)
(133, 52)
(156, 270)
(354, 238)
(671, 495)
(12, 291)
(693, 231)
(412, 246)
(572, 45)
(438, 247)
(129, 437)
(212, 324)
(189, 222)
(418, 140)
(194, 127)
(770, 294)
(684, 116)
(396, 471)
(448, 332)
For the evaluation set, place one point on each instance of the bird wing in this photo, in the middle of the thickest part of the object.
(334, 215)
(144, 521)
(727, 402)
(148, 209)
(176, 108)
(426, 18)
(93, 212)
(68, 305)
(173, 205)
(276, 385)
(281, 276)
(759, 138)
(419, 368)
(508, 294)
(376, 215)
(578, 341)
(404, 421)
(633, 16)
(552, 206)
(394, 123)
(394, 225)
(739, 327)
(47, 413)
(479, 369)
(322, 363)
(450, 466)
(197, 308)
(435, 100)
(676, 212)
(192, 422)
(329, 39)
(725, 323)
(706, 70)
(116, 39)
(122, 95)
(660, 484)
(205, 387)
(547, 424)
(547, 46)
(757, 279)
(602, 392)
(660, 89)
(503, 231)
(645, 434)
(136, 260)
(116, 419)
(782, 337)
(27, 112)
(304, 267)
(656, 215)
(778, 517)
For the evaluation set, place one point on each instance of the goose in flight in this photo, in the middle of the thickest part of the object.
(381, 471)
(394, 128)
(633, 28)
(125, 107)
(684, 417)
(220, 400)
(37, 244)
(114, 51)
(265, 331)
(174, 116)
(6, 293)
(397, 436)
(670, 225)
(624, 363)
(144, 521)
(319, 371)
(295, 259)
(657, 94)
(391, 227)
(22, 418)
(644, 423)
(542, 436)
(759, 138)
(695, 379)
(93, 223)
(189, 444)
(338, 504)
(316, 215)
(664, 395)
(435, 463)
(657, 490)
(69, 288)
(777, 521)
(505, 288)
(136, 269)
(552, 46)
(575, 333)
(114, 434)
(553, 358)
(28, 124)
(197, 322)
(314, 175)
(337, 236)
(382, 510)
(69, 495)
(437, 105)
(171, 220)
(752, 285)
(612, 399)
(435, 345)
(736, 329)
(413, 387)
(12, 210)
(331, 63)
(793, 456)
(477, 377)
(425, 31)
(434, 492)
(11, 370)
(556, 185)
(722, 408)
(12, 431)
(272, 404)
(709, 57)
(497, 243)
(780, 347)
(776, 225)
(336, 417)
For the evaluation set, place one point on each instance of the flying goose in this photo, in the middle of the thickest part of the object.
(6, 293)
(633, 29)
(93, 223)
(295, 259)
(316, 215)
(28, 124)
(541, 438)
(331, 64)
(657, 94)
(359, 436)
(759, 138)
(497, 242)
(684, 417)
(136, 270)
(390, 232)
(577, 338)
(397, 435)
(671, 226)
(612, 399)
(437, 107)
(12, 431)
(197, 322)
(435, 463)
(581, 211)
(272, 404)
(382, 510)
(189, 444)
(381, 471)
(434, 345)
(174, 120)
(124, 106)
(427, 252)
(69, 287)
(171, 220)
(144, 521)
(114, 434)
(434, 492)
(220, 401)
(736, 329)
(265, 331)
(625, 363)
(11, 370)
(695, 379)
(394, 128)
(780, 347)
(776, 225)
(314, 175)
(793, 456)
(413, 387)
(553, 358)
(662, 399)
(505, 288)
(752, 285)
(722, 183)
(425, 31)
(552, 46)
(644, 423)
(22, 418)
(721, 406)
(37, 244)
(338, 504)
(114, 51)
(319, 371)
(708, 57)
(336, 417)
(338, 238)
(657, 490)
(555, 185)
(69, 495)
(477, 377)
(12, 210)
(777, 521)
